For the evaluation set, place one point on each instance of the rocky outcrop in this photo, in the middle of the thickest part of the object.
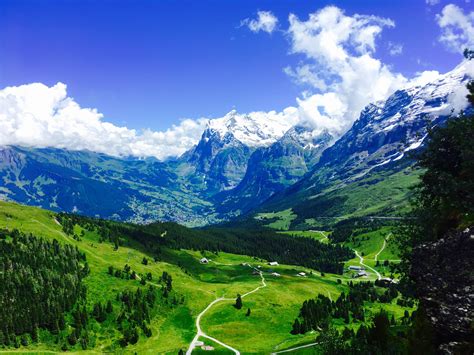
(444, 276)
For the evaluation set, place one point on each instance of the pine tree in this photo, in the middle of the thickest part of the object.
(296, 329)
(238, 302)
(248, 312)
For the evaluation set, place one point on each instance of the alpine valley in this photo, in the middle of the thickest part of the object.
(244, 166)
(133, 221)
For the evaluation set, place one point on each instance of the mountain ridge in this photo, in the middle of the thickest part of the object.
(222, 177)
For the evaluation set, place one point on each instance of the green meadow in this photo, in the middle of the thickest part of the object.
(272, 308)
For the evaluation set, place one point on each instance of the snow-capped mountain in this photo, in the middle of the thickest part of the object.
(378, 143)
(242, 161)
(256, 129)
(273, 168)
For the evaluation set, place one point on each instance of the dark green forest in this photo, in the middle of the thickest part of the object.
(259, 242)
(41, 282)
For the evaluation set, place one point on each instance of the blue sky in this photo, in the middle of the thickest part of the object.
(147, 64)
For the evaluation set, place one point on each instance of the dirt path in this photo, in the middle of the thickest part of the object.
(361, 261)
(296, 348)
(383, 246)
(200, 333)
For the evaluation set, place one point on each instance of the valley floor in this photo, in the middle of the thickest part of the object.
(274, 294)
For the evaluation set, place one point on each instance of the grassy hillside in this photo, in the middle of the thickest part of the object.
(195, 285)
(380, 193)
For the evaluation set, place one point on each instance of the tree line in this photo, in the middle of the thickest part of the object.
(259, 242)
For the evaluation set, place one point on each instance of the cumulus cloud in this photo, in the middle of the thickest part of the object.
(339, 67)
(457, 28)
(432, 2)
(40, 116)
(265, 21)
(339, 63)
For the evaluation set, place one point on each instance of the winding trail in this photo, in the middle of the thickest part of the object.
(383, 246)
(381, 250)
(296, 348)
(201, 334)
(361, 261)
(323, 235)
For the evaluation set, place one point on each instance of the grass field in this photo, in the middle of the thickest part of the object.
(278, 220)
(273, 308)
(320, 236)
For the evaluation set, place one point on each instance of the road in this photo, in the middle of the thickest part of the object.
(361, 261)
(296, 348)
(201, 334)
(383, 246)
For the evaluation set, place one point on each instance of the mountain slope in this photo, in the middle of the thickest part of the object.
(373, 155)
(97, 185)
(271, 169)
(242, 161)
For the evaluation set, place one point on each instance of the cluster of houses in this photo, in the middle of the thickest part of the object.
(255, 271)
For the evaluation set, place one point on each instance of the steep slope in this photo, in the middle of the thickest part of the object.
(219, 161)
(373, 155)
(242, 161)
(271, 169)
(97, 185)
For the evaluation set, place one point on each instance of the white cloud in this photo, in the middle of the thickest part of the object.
(457, 28)
(425, 77)
(432, 2)
(265, 21)
(39, 116)
(395, 49)
(340, 64)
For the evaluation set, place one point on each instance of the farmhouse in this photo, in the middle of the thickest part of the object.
(356, 268)
(302, 274)
(273, 263)
(207, 348)
(204, 261)
(275, 274)
(361, 273)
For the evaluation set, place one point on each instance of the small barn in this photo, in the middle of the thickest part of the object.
(356, 268)
(204, 261)
(207, 348)
(273, 263)
(302, 274)
(361, 274)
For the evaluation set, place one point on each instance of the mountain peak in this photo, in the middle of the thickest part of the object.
(256, 129)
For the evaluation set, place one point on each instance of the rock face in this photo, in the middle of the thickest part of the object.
(271, 169)
(242, 161)
(218, 161)
(443, 272)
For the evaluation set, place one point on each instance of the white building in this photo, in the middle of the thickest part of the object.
(302, 274)
(275, 274)
(273, 263)
(204, 261)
